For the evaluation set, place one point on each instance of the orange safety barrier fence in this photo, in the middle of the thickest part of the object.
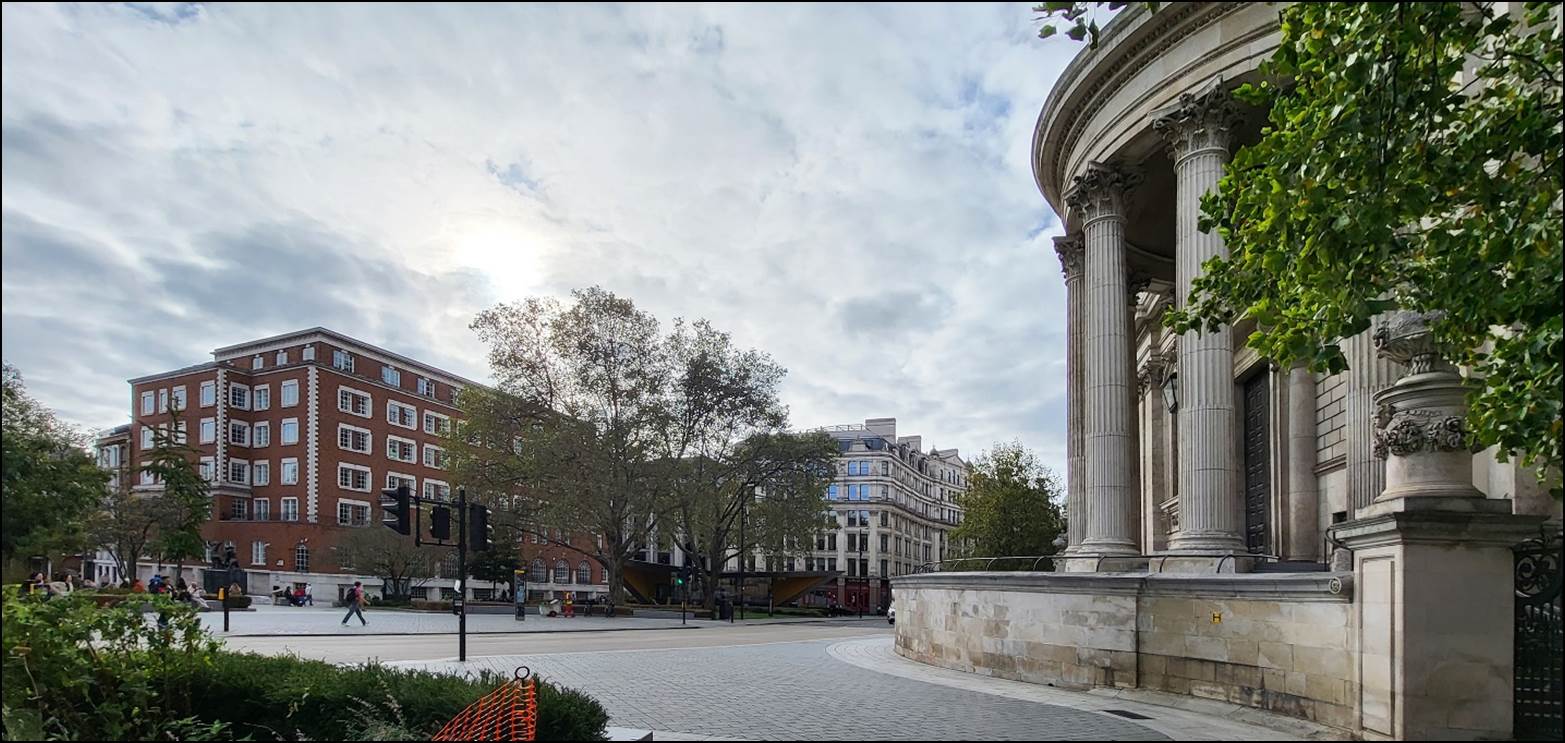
(507, 713)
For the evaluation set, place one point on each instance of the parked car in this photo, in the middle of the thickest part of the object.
(891, 615)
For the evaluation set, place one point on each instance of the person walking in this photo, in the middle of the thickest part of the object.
(355, 604)
(309, 594)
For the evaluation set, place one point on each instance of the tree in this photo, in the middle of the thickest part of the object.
(1413, 161)
(569, 440)
(184, 501)
(50, 483)
(1011, 507)
(724, 433)
(378, 551)
(495, 566)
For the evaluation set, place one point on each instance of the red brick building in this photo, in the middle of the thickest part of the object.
(299, 433)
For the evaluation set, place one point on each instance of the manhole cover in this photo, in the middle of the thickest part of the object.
(1127, 714)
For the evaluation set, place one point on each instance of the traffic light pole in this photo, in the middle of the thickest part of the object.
(461, 574)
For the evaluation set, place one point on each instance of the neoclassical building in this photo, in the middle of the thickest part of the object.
(1323, 547)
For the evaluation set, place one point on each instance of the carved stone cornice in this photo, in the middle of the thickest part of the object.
(1101, 191)
(1136, 283)
(1199, 122)
(1070, 249)
(1405, 432)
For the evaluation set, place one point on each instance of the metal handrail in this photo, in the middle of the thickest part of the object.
(939, 565)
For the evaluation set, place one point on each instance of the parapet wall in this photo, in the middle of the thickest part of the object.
(1272, 641)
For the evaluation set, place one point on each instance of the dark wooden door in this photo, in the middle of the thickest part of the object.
(1257, 464)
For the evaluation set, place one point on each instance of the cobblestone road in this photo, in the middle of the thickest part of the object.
(797, 691)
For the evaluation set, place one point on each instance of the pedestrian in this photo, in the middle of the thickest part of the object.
(137, 586)
(355, 604)
(309, 594)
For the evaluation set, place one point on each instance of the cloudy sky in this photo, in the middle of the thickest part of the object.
(846, 187)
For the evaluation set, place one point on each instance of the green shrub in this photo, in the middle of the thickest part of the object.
(293, 698)
(74, 670)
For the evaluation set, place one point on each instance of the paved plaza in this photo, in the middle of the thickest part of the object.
(308, 621)
(837, 680)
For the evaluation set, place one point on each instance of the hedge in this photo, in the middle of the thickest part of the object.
(269, 696)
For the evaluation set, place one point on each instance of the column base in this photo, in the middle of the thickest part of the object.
(1208, 543)
(1085, 563)
(1109, 547)
(1201, 563)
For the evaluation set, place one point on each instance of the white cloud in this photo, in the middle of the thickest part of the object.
(844, 186)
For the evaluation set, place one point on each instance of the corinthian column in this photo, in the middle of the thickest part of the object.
(1069, 249)
(1198, 129)
(1099, 196)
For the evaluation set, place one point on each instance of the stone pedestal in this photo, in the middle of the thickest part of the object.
(1433, 564)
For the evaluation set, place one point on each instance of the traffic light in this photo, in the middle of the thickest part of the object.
(480, 534)
(395, 506)
(683, 576)
(440, 522)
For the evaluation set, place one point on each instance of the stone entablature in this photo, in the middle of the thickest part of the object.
(1281, 643)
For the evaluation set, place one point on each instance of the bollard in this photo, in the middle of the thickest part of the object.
(222, 595)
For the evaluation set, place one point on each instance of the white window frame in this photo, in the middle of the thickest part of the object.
(257, 362)
(229, 475)
(282, 393)
(436, 464)
(393, 479)
(284, 513)
(208, 468)
(282, 357)
(282, 432)
(163, 400)
(261, 472)
(369, 401)
(149, 402)
(208, 430)
(428, 482)
(369, 512)
(181, 434)
(394, 417)
(368, 477)
(369, 438)
(412, 445)
(258, 431)
(261, 397)
(177, 397)
(235, 387)
(347, 358)
(391, 375)
(445, 423)
(426, 387)
(282, 471)
(239, 426)
(147, 438)
(258, 552)
(208, 393)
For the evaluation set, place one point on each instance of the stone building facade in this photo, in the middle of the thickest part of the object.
(1326, 547)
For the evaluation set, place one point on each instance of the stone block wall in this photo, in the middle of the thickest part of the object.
(1269, 641)
(1287, 656)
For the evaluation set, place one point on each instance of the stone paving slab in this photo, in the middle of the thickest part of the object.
(794, 691)
(1179, 717)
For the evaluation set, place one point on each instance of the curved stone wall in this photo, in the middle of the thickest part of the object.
(1272, 641)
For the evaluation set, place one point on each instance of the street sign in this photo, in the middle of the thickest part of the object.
(519, 593)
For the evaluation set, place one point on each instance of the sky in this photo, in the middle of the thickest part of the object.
(846, 187)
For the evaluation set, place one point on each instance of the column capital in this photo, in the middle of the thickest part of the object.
(1100, 192)
(1153, 371)
(1136, 282)
(1070, 249)
(1198, 122)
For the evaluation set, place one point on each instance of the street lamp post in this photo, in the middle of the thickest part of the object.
(863, 573)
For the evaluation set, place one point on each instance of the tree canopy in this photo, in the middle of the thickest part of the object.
(1011, 507)
(50, 482)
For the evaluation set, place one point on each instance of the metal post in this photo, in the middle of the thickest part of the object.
(223, 597)
(461, 573)
(863, 574)
(684, 598)
(743, 506)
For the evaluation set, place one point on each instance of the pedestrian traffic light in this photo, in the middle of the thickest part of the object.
(395, 506)
(683, 576)
(479, 532)
(440, 522)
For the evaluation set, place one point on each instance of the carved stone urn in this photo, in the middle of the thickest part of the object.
(1421, 421)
